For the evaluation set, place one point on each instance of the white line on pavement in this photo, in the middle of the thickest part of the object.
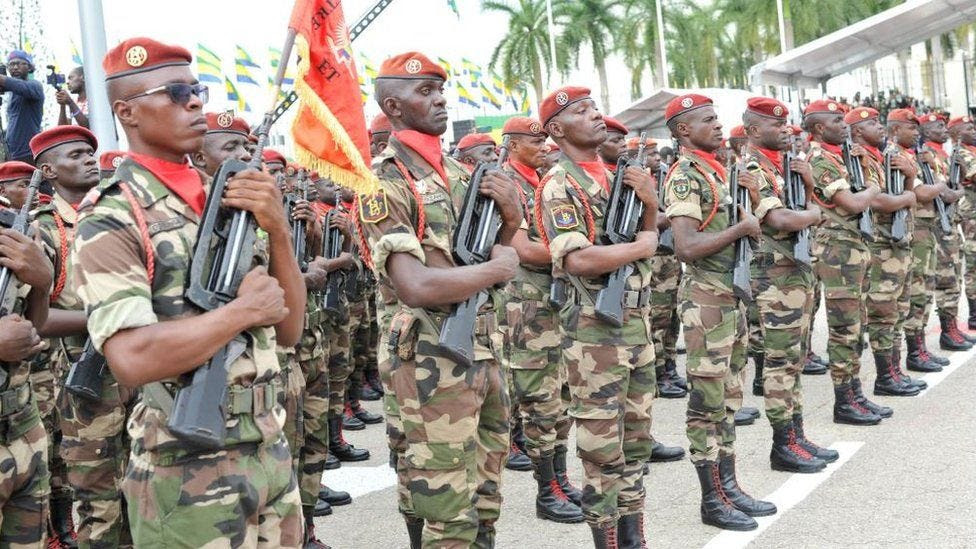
(360, 480)
(793, 491)
(955, 361)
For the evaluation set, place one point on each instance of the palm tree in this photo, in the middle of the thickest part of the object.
(522, 54)
(638, 41)
(593, 23)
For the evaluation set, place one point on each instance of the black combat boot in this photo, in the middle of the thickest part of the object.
(605, 536)
(877, 409)
(334, 497)
(415, 531)
(332, 462)
(486, 535)
(356, 408)
(716, 509)
(373, 380)
(932, 357)
(665, 387)
(896, 360)
(972, 314)
(550, 501)
(349, 420)
(819, 452)
(62, 525)
(661, 453)
(757, 382)
(787, 454)
(739, 499)
(889, 381)
(322, 508)
(517, 460)
(671, 370)
(746, 415)
(311, 542)
(918, 358)
(630, 531)
(848, 410)
(559, 468)
(814, 365)
(951, 339)
(338, 447)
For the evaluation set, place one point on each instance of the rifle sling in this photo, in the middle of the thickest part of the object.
(776, 246)
(576, 173)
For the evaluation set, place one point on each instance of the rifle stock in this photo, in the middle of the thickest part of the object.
(666, 240)
(332, 244)
(741, 278)
(796, 200)
(895, 184)
(85, 377)
(856, 173)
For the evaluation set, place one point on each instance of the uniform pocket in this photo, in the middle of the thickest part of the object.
(403, 335)
(438, 479)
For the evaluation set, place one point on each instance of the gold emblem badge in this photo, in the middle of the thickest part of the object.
(682, 189)
(778, 111)
(562, 98)
(864, 114)
(136, 56)
(372, 207)
(412, 66)
(933, 118)
(564, 216)
(225, 119)
(831, 106)
(117, 161)
(687, 102)
(535, 127)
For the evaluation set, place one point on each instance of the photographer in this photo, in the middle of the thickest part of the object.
(72, 109)
(26, 105)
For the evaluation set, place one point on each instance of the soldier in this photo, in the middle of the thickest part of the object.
(963, 133)
(714, 320)
(782, 286)
(274, 161)
(615, 145)
(948, 274)
(107, 162)
(14, 190)
(532, 340)
(842, 256)
(226, 137)
(379, 134)
(738, 141)
(551, 158)
(454, 419)
(134, 241)
(476, 147)
(92, 433)
(610, 369)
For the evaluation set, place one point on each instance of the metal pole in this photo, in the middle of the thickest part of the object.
(782, 26)
(660, 40)
(93, 48)
(965, 81)
(552, 40)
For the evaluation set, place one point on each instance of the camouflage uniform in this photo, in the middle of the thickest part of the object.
(610, 370)
(782, 290)
(240, 494)
(94, 441)
(292, 401)
(311, 355)
(454, 420)
(45, 381)
(948, 269)
(357, 328)
(842, 263)
(922, 275)
(666, 273)
(967, 211)
(714, 320)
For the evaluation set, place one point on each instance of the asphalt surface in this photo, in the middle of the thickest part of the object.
(908, 482)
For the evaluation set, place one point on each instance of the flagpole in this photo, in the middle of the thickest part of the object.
(660, 40)
(552, 39)
(93, 48)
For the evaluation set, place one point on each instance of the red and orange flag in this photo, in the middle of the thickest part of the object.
(330, 128)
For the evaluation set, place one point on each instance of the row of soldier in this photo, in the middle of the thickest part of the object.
(542, 354)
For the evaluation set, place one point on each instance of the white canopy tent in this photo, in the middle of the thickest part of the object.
(647, 114)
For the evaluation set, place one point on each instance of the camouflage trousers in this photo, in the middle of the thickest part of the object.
(969, 254)
(843, 269)
(922, 277)
(714, 323)
(95, 446)
(395, 438)
(666, 270)
(293, 403)
(372, 346)
(242, 496)
(455, 424)
(339, 360)
(359, 336)
(24, 486)
(315, 424)
(46, 392)
(887, 277)
(948, 273)
(539, 391)
(783, 294)
(612, 383)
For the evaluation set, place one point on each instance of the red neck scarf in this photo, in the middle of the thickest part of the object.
(598, 171)
(835, 149)
(526, 172)
(611, 167)
(427, 146)
(181, 179)
(936, 147)
(347, 206)
(322, 208)
(874, 152)
(776, 157)
(710, 159)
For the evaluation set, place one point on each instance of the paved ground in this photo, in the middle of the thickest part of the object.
(908, 482)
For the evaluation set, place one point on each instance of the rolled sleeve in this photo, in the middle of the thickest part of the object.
(113, 317)
(766, 204)
(684, 209)
(563, 245)
(834, 187)
(393, 243)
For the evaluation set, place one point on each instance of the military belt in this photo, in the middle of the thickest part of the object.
(632, 299)
(240, 399)
(14, 400)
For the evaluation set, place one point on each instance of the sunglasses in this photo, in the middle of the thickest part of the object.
(179, 93)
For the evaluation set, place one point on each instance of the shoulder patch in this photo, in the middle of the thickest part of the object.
(564, 216)
(373, 207)
(681, 189)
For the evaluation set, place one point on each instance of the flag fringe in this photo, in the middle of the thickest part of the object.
(360, 179)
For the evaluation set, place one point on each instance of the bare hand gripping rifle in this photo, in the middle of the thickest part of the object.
(856, 173)
(19, 222)
(796, 199)
(298, 226)
(741, 278)
(929, 179)
(475, 234)
(625, 213)
(895, 185)
(332, 244)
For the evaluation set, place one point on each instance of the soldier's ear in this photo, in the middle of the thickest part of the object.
(124, 113)
(198, 160)
(555, 129)
(391, 107)
(48, 172)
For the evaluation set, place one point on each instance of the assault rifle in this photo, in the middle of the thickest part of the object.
(624, 214)
(85, 376)
(476, 232)
(796, 200)
(666, 239)
(223, 255)
(332, 244)
(19, 222)
(298, 226)
(895, 184)
(929, 179)
(955, 175)
(856, 172)
(741, 285)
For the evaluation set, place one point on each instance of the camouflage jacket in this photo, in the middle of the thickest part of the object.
(967, 206)
(771, 196)
(113, 283)
(531, 281)
(886, 219)
(830, 177)
(56, 222)
(922, 210)
(940, 171)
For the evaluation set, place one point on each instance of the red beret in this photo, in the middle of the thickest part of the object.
(685, 103)
(271, 156)
(523, 125)
(59, 135)
(828, 106)
(930, 117)
(110, 160)
(475, 139)
(738, 132)
(959, 120)
(634, 143)
(226, 122)
(142, 54)
(796, 130)
(555, 102)
(553, 147)
(380, 124)
(252, 138)
(14, 170)
(767, 106)
(902, 115)
(614, 125)
(860, 114)
(411, 65)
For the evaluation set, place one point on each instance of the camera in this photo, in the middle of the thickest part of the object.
(54, 78)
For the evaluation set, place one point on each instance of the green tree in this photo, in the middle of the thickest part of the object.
(592, 23)
(638, 42)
